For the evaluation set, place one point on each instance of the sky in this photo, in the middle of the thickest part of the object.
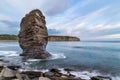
(86, 19)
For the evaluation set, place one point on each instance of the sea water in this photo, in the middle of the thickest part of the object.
(94, 57)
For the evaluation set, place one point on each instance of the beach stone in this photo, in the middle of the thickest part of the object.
(58, 74)
(7, 73)
(33, 36)
(1, 64)
(15, 79)
(32, 74)
(48, 74)
(64, 77)
(36, 78)
(22, 76)
(44, 78)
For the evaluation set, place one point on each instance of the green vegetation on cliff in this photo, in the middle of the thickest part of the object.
(63, 38)
(50, 38)
(8, 37)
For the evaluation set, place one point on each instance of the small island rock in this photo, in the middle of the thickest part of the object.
(33, 35)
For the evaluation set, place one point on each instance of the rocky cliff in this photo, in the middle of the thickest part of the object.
(33, 35)
(63, 38)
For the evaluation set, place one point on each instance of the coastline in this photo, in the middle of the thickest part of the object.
(14, 72)
(8, 37)
(8, 40)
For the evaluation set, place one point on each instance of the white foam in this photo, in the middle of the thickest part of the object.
(58, 56)
(54, 56)
(8, 53)
(86, 75)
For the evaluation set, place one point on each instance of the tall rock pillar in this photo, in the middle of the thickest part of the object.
(33, 35)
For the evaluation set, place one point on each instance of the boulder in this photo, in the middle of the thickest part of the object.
(44, 78)
(22, 76)
(33, 36)
(48, 74)
(32, 74)
(7, 73)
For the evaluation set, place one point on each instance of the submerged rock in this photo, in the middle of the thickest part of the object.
(33, 36)
(100, 78)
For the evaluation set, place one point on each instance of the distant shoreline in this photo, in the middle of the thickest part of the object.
(7, 37)
(8, 40)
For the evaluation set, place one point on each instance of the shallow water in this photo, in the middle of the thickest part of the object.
(102, 57)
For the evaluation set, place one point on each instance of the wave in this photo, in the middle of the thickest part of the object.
(96, 48)
(54, 56)
(8, 53)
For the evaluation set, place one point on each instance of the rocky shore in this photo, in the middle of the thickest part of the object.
(17, 73)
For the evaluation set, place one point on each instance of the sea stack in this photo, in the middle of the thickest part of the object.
(33, 36)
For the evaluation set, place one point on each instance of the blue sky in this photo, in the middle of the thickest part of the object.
(87, 19)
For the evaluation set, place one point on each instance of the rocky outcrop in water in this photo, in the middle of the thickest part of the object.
(33, 35)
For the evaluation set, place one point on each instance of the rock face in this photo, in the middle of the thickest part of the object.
(33, 35)
(63, 38)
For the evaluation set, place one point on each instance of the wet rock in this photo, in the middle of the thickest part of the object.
(15, 79)
(33, 36)
(64, 77)
(68, 70)
(71, 75)
(54, 70)
(7, 73)
(35, 79)
(1, 66)
(58, 74)
(32, 74)
(100, 78)
(44, 78)
(48, 74)
(22, 76)
(14, 67)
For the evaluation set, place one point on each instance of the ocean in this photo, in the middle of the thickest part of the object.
(90, 57)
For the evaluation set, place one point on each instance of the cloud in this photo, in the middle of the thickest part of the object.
(53, 32)
(47, 6)
(10, 23)
(75, 25)
(104, 26)
(4, 17)
(113, 36)
(9, 27)
(87, 19)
